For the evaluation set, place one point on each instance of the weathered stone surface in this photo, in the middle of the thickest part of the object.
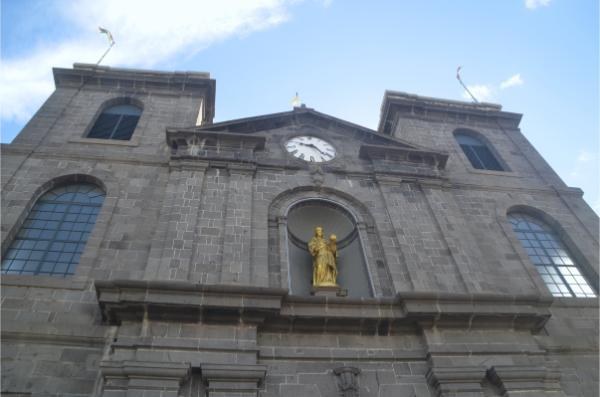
(184, 284)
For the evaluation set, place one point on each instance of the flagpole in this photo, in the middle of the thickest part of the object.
(111, 41)
(105, 52)
(463, 84)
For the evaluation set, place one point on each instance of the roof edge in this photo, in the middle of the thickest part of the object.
(88, 74)
(406, 99)
(138, 72)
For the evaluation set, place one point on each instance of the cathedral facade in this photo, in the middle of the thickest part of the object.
(148, 251)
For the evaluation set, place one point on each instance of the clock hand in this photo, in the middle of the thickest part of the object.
(314, 147)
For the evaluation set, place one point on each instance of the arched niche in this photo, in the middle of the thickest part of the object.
(302, 219)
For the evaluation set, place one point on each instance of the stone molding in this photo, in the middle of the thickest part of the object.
(435, 160)
(468, 310)
(519, 379)
(275, 308)
(179, 300)
(453, 381)
(432, 109)
(233, 378)
(74, 283)
(141, 79)
(147, 376)
(185, 164)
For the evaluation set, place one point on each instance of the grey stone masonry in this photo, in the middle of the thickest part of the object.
(189, 282)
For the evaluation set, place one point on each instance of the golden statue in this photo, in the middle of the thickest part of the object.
(324, 259)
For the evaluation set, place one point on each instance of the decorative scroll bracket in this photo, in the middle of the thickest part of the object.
(347, 380)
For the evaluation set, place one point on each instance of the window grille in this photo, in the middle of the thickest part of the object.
(552, 259)
(117, 122)
(53, 236)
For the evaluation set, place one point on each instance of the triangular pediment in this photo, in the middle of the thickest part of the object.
(247, 135)
(303, 117)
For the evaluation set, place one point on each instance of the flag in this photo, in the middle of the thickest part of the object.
(108, 35)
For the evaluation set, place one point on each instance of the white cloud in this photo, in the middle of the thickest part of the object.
(533, 4)
(512, 81)
(585, 157)
(487, 92)
(483, 92)
(146, 33)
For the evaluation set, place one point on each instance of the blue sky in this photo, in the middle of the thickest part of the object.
(536, 57)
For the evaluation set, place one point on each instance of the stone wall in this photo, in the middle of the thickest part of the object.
(183, 288)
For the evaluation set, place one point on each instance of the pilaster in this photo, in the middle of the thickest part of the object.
(238, 231)
(172, 246)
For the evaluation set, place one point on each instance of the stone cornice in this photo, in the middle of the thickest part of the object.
(415, 106)
(273, 308)
(209, 144)
(436, 160)
(131, 78)
(515, 379)
(172, 300)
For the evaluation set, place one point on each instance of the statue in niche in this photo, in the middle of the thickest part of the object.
(324, 255)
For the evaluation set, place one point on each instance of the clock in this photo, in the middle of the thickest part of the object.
(310, 148)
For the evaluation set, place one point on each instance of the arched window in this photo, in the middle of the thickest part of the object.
(116, 122)
(552, 259)
(54, 234)
(302, 219)
(480, 156)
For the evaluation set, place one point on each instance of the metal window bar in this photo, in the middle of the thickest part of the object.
(550, 257)
(55, 232)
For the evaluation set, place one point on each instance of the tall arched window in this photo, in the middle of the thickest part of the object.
(480, 156)
(54, 234)
(116, 122)
(552, 259)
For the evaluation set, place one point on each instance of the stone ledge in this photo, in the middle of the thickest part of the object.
(74, 283)
(430, 159)
(185, 344)
(160, 376)
(181, 301)
(576, 302)
(106, 76)
(477, 309)
(56, 334)
(233, 371)
(517, 378)
(233, 378)
(135, 141)
(436, 109)
(568, 344)
(137, 368)
(340, 353)
(274, 309)
(455, 380)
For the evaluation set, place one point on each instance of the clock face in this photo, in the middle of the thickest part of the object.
(310, 148)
